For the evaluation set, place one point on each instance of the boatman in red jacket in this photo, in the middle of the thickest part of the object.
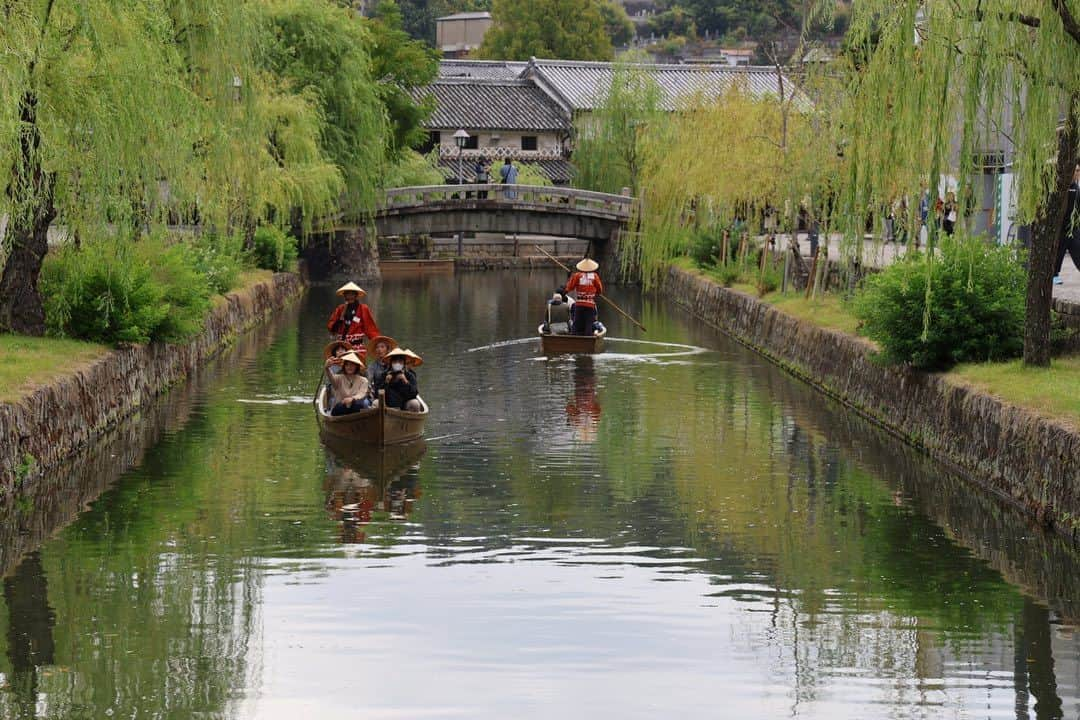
(586, 285)
(352, 321)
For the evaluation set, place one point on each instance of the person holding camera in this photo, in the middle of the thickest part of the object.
(399, 382)
(350, 385)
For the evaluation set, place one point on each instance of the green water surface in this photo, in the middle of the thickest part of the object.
(674, 528)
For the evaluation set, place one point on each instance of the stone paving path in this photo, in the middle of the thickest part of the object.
(879, 255)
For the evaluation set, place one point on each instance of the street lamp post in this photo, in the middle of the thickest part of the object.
(460, 137)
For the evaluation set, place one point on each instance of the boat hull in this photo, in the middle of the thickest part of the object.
(552, 344)
(379, 426)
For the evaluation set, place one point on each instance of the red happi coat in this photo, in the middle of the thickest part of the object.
(361, 327)
(586, 286)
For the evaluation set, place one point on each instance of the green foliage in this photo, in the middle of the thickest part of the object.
(401, 64)
(728, 274)
(609, 153)
(564, 29)
(25, 469)
(117, 291)
(412, 169)
(529, 174)
(769, 279)
(705, 247)
(756, 17)
(965, 304)
(274, 249)
(674, 21)
(968, 70)
(320, 52)
(220, 259)
(617, 23)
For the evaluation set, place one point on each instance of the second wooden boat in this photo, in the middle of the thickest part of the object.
(553, 343)
(379, 425)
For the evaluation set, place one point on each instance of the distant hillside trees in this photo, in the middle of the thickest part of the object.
(564, 29)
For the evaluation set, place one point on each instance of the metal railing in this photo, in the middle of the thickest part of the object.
(531, 197)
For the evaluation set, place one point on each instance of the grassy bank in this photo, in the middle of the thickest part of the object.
(28, 363)
(1051, 393)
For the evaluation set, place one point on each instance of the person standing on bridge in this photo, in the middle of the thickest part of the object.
(586, 285)
(482, 171)
(509, 174)
(352, 321)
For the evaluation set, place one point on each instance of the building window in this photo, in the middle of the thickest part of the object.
(472, 142)
(528, 142)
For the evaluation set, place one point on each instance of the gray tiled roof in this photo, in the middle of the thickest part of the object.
(493, 105)
(581, 85)
(481, 69)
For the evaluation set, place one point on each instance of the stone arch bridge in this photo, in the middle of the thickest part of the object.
(509, 209)
(558, 212)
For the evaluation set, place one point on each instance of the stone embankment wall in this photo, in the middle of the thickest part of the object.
(49, 425)
(1031, 461)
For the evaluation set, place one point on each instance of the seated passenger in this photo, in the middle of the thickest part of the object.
(336, 350)
(558, 315)
(377, 349)
(350, 386)
(399, 382)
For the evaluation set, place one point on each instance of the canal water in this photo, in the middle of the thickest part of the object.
(673, 528)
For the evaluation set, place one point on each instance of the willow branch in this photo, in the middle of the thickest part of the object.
(1072, 27)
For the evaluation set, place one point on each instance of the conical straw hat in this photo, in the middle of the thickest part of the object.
(332, 348)
(414, 359)
(353, 358)
(351, 286)
(372, 342)
(587, 265)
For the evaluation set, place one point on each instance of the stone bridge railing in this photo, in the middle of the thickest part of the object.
(522, 197)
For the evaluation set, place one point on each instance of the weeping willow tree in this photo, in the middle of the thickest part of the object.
(117, 116)
(941, 81)
(609, 149)
(731, 159)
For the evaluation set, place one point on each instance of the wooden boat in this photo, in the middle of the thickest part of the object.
(379, 425)
(552, 343)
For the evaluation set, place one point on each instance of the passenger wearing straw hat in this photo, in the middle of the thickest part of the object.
(350, 385)
(586, 285)
(352, 321)
(335, 351)
(377, 348)
(399, 382)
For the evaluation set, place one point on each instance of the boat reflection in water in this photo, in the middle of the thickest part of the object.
(583, 409)
(366, 484)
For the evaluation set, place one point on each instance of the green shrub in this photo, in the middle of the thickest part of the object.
(117, 290)
(274, 249)
(769, 279)
(220, 259)
(705, 247)
(974, 310)
(728, 274)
